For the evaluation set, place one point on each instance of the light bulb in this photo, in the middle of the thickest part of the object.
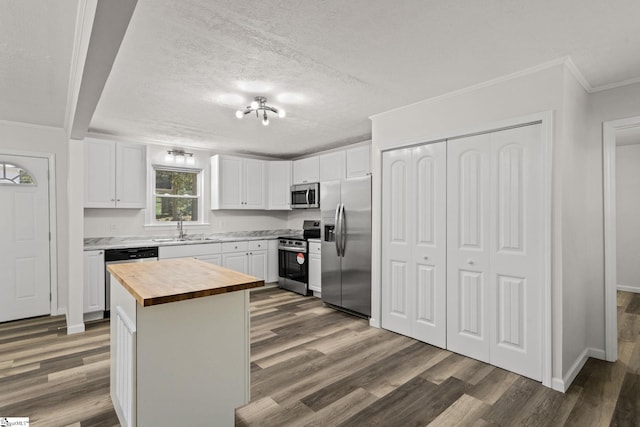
(180, 160)
(191, 161)
(169, 157)
(265, 121)
(282, 113)
(239, 114)
(254, 105)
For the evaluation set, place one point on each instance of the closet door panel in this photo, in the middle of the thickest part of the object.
(516, 251)
(397, 274)
(429, 246)
(468, 254)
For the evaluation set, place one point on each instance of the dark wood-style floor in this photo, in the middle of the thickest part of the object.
(315, 366)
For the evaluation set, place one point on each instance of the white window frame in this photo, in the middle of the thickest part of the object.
(151, 202)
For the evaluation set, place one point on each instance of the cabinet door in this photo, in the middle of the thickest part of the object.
(236, 261)
(258, 264)
(306, 170)
(231, 182)
(131, 175)
(94, 297)
(212, 259)
(315, 272)
(99, 173)
(254, 184)
(272, 261)
(358, 161)
(332, 166)
(279, 185)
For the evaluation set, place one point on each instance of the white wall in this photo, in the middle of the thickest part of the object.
(26, 138)
(582, 238)
(627, 216)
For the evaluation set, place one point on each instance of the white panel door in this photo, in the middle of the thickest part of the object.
(429, 317)
(468, 245)
(397, 272)
(516, 250)
(24, 237)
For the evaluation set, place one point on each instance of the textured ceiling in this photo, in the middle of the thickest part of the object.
(184, 66)
(36, 40)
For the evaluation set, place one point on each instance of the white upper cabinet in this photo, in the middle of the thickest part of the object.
(115, 174)
(332, 166)
(306, 170)
(278, 185)
(358, 161)
(238, 183)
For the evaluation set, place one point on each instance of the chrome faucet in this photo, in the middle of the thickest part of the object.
(182, 233)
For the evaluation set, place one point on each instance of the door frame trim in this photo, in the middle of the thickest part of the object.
(53, 224)
(545, 119)
(609, 129)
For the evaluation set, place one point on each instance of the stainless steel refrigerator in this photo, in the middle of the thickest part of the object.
(346, 244)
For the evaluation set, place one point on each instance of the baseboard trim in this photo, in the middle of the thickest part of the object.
(628, 289)
(75, 329)
(564, 383)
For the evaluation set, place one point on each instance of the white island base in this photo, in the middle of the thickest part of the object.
(179, 363)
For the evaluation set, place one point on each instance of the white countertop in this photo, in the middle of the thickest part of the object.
(122, 242)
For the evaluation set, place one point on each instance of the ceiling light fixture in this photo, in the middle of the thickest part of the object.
(179, 157)
(259, 105)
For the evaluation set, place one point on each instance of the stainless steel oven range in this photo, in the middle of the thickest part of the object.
(293, 259)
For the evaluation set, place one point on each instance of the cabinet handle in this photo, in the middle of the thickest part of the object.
(426, 258)
(100, 253)
(118, 200)
(471, 262)
(113, 200)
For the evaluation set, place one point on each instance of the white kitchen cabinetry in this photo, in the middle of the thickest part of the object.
(93, 281)
(358, 161)
(248, 257)
(279, 183)
(209, 252)
(315, 267)
(115, 174)
(332, 166)
(238, 183)
(306, 170)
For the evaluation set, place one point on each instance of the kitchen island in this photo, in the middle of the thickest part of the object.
(179, 342)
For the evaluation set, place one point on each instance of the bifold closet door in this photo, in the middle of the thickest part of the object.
(494, 250)
(414, 243)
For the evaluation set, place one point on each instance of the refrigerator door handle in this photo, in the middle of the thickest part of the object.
(343, 234)
(337, 230)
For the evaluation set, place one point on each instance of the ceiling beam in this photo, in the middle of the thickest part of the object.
(100, 29)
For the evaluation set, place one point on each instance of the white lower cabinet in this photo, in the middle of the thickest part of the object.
(209, 252)
(315, 267)
(93, 298)
(248, 257)
(462, 260)
(255, 257)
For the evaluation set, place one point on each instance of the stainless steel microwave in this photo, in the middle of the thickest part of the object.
(305, 196)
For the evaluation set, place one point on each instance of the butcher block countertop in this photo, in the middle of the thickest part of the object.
(171, 280)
